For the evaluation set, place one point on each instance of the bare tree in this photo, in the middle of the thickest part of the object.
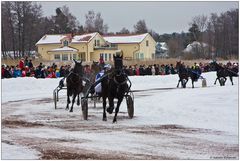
(123, 31)
(94, 23)
(140, 27)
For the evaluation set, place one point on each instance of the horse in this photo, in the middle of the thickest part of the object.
(74, 84)
(185, 73)
(223, 73)
(114, 85)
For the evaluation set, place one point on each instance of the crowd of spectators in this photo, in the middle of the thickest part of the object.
(25, 68)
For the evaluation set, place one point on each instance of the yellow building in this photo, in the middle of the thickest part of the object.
(89, 47)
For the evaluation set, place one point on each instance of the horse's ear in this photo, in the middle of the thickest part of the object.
(114, 56)
(81, 61)
(75, 61)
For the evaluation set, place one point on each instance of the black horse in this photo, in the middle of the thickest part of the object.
(223, 73)
(74, 84)
(114, 85)
(185, 73)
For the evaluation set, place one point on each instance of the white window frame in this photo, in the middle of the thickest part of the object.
(65, 56)
(105, 57)
(57, 55)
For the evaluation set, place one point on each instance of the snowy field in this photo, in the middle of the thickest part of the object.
(168, 123)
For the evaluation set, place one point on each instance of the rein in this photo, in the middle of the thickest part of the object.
(119, 84)
(231, 71)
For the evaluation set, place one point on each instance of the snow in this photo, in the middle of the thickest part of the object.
(81, 38)
(65, 48)
(214, 108)
(56, 39)
(50, 39)
(125, 39)
(13, 152)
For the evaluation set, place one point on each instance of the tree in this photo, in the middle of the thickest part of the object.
(94, 23)
(8, 37)
(194, 31)
(123, 31)
(140, 27)
(155, 35)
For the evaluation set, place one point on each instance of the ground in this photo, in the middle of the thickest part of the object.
(169, 123)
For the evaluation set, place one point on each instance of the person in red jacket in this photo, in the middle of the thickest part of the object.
(3, 70)
(21, 63)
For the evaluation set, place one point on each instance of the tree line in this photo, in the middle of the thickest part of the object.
(23, 24)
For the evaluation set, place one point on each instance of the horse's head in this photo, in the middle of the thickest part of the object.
(179, 65)
(118, 62)
(215, 66)
(78, 68)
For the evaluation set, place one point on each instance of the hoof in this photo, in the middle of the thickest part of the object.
(66, 108)
(110, 110)
(78, 103)
(114, 121)
(104, 119)
(71, 111)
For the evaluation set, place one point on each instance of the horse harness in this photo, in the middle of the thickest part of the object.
(119, 84)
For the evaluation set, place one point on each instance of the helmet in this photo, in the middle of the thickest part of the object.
(107, 66)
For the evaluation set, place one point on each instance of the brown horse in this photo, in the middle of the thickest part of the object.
(74, 84)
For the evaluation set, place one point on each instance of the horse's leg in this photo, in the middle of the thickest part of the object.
(78, 100)
(216, 81)
(185, 85)
(231, 79)
(68, 100)
(73, 100)
(104, 109)
(117, 109)
(225, 81)
(111, 105)
(178, 82)
(220, 81)
(192, 83)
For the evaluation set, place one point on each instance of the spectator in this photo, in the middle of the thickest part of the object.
(30, 64)
(153, 70)
(21, 63)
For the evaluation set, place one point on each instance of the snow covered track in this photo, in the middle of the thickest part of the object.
(200, 123)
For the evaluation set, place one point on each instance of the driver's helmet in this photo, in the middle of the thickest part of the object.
(107, 67)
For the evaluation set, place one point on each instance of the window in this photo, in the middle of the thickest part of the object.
(95, 42)
(141, 56)
(75, 56)
(109, 57)
(114, 45)
(57, 56)
(98, 42)
(65, 43)
(105, 57)
(147, 43)
(137, 56)
(65, 57)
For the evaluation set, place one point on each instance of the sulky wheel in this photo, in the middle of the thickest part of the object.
(84, 103)
(130, 106)
(55, 99)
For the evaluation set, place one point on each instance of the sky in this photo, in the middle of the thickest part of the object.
(160, 16)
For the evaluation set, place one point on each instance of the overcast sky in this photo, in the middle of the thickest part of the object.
(162, 17)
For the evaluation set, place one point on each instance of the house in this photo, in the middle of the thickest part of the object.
(162, 50)
(197, 48)
(92, 46)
